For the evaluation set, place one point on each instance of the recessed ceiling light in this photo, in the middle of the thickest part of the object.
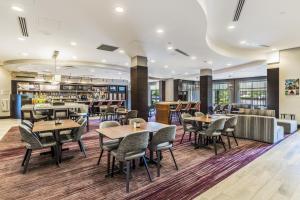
(74, 57)
(228, 64)
(17, 8)
(210, 62)
(160, 31)
(121, 51)
(243, 42)
(193, 57)
(152, 61)
(24, 54)
(230, 27)
(21, 39)
(166, 66)
(170, 47)
(73, 43)
(119, 9)
(274, 49)
(58, 67)
(119, 73)
(186, 73)
(127, 64)
(173, 72)
(92, 70)
(103, 60)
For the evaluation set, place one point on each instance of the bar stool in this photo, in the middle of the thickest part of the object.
(187, 108)
(176, 112)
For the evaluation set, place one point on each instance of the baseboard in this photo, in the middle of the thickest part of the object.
(4, 117)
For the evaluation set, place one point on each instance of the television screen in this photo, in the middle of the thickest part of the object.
(112, 88)
(122, 88)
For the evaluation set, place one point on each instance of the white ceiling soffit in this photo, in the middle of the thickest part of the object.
(263, 25)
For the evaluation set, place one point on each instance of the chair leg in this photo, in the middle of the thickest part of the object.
(222, 143)
(182, 137)
(113, 167)
(27, 161)
(25, 156)
(82, 147)
(215, 145)
(108, 162)
(146, 166)
(228, 139)
(127, 175)
(56, 154)
(100, 157)
(190, 137)
(158, 163)
(235, 139)
(173, 158)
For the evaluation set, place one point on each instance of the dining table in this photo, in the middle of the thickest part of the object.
(55, 128)
(119, 132)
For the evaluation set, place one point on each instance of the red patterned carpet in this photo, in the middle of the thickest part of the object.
(81, 178)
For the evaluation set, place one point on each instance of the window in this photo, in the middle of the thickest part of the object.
(191, 89)
(221, 93)
(253, 92)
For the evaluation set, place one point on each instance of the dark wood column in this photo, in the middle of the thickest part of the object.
(273, 90)
(205, 89)
(139, 86)
(162, 90)
(176, 89)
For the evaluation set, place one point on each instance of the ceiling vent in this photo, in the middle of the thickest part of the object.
(264, 45)
(182, 52)
(105, 47)
(23, 26)
(69, 67)
(238, 10)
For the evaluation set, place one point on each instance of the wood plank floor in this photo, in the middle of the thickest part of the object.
(275, 175)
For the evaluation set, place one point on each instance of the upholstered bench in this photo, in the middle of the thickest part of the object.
(289, 126)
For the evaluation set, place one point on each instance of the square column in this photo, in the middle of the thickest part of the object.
(273, 90)
(205, 89)
(139, 86)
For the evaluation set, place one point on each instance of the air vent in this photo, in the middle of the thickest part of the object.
(238, 10)
(264, 45)
(182, 52)
(23, 26)
(105, 47)
(69, 67)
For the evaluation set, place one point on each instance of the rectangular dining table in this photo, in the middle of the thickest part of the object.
(119, 132)
(51, 126)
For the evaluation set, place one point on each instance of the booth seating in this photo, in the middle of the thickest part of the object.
(289, 126)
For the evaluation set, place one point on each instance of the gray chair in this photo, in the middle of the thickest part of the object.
(136, 120)
(60, 114)
(40, 135)
(200, 124)
(213, 132)
(131, 147)
(163, 140)
(199, 114)
(33, 142)
(27, 123)
(229, 127)
(110, 112)
(188, 126)
(130, 115)
(107, 145)
(75, 136)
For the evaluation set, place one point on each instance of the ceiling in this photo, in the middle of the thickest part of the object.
(197, 27)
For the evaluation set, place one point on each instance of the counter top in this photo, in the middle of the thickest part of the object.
(51, 107)
(172, 102)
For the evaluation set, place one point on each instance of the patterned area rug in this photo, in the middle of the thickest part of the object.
(81, 178)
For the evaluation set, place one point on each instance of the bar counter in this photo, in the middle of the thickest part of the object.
(163, 110)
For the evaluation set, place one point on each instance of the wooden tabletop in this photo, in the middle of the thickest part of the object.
(45, 126)
(203, 119)
(118, 132)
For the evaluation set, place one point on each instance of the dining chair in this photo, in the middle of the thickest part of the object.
(163, 140)
(30, 126)
(132, 147)
(200, 125)
(75, 136)
(188, 126)
(33, 142)
(213, 132)
(110, 112)
(136, 120)
(33, 116)
(60, 114)
(130, 115)
(107, 145)
(229, 127)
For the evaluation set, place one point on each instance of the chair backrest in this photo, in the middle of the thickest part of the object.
(217, 125)
(78, 132)
(110, 109)
(185, 122)
(166, 134)
(100, 103)
(136, 120)
(30, 138)
(231, 122)
(120, 109)
(108, 124)
(61, 113)
(80, 120)
(132, 114)
(185, 115)
(27, 123)
(133, 143)
(178, 107)
(109, 103)
(197, 106)
(120, 103)
(84, 109)
(188, 106)
(199, 114)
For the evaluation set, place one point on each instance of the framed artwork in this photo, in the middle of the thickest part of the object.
(292, 87)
